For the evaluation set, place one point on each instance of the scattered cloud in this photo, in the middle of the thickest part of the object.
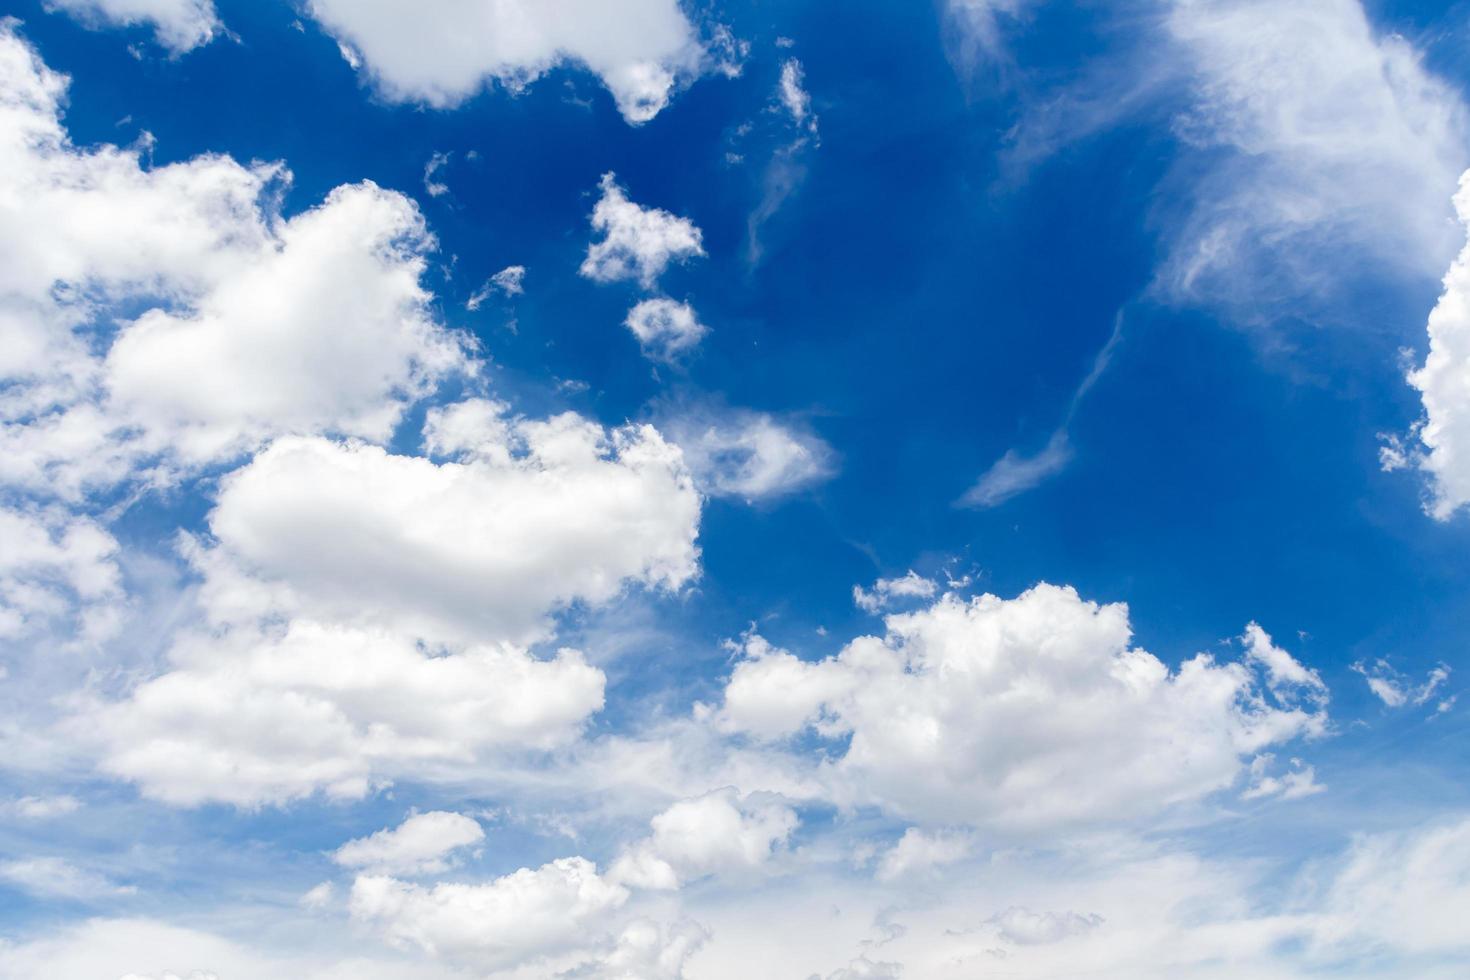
(421, 845)
(910, 585)
(1394, 689)
(713, 833)
(637, 243)
(747, 454)
(665, 328)
(178, 25)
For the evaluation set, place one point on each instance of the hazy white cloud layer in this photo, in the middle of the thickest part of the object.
(1330, 136)
(442, 52)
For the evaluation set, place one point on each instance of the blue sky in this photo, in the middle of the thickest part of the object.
(653, 490)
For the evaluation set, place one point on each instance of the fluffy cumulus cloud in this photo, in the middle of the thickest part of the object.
(422, 844)
(637, 243)
(267, 715)
(528, 913)
(665, 328)
(250, 326)
(528, 517)
(178, 25)
(444, 52)
(714, 833)
(367, 612)
(1443, 382)
(1022, 714)
(747, 454)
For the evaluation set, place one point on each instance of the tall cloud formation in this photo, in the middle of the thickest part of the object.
(1024, 714)
(442, 53)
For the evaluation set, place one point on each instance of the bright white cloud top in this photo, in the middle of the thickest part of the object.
(1024, 714)
(444, 52)
(178, 25)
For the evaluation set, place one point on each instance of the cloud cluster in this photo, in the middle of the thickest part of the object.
(240, 326)
(377, 607)
(1023, 714)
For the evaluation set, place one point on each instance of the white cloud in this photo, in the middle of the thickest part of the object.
(1014, 473)
(910, 585)
(977, 26)
(509, 280)
(55, 569)
(1443, 382)
(752, 455)
(919, 850)
(179, 25)
(170, 317)
(714, 833)
(795, 99)
(493, 925)
(433, 185)
(264, 715)
(638, 243)
(1022, 714)
(418, 846)
(49, 877)
(444, 52)
(1297, 782)
(363, 610)
(1327, 136)
(1394, 689)
(1024, 927)
(665, 328)
(1406, 890)
(1285, 675)
(535, 516)
(148, 949)
(319, 896)
(41, 807)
